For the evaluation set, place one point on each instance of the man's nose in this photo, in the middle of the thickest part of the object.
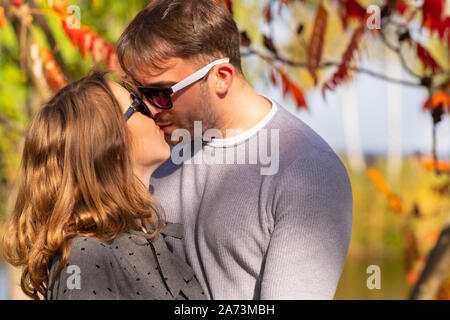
(152, 108)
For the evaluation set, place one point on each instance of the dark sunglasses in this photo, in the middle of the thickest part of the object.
(162, 97)
(139, 106)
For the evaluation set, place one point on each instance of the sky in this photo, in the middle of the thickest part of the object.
(325, 116)
(371, 105)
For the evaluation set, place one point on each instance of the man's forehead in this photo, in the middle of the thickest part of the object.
(168, 74)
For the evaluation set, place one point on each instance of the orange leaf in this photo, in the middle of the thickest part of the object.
(440, 97)
(429, 164)
(291, 87)
(379, 181)
(298, 95)
(2, 17)
(412, 276)
(396, 203)
(53, 73)
(59, 6)
(432, 236)
(86, 39)
(284, 81)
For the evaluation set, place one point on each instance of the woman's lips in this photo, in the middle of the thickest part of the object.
(164, 127)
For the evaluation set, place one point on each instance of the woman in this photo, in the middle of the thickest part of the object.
(84, 225)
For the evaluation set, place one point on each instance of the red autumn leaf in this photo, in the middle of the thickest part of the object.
(351, 9)
(285, 82)
(298, 95)
(432, 9)
(427, 60)
(53, 73)
(267, 13)
(291, 87)
(229, 5)
(111, 57)
(75, 35)
(272, 78)
(97, 49)
(401, 6)
(433, 18)
(85, 43)
(86, 39)
(342, 72)
(17, 3)
(315, 47)
(2, 17)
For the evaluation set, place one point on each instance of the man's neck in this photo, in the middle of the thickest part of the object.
(243, 110)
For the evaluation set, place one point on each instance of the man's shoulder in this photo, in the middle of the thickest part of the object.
(298, 141)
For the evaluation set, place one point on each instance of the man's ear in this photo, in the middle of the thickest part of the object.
(223, 78)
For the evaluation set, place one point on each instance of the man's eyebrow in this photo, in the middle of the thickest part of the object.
(160, 84)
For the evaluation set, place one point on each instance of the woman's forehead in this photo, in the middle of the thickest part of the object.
(120, 93)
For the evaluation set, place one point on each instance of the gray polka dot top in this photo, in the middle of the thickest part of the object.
(128, 267)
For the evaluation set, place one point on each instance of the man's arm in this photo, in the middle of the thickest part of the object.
(312, 212)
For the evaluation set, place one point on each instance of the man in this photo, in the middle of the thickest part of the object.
(256, 226)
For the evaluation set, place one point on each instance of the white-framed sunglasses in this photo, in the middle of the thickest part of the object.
(161, 97)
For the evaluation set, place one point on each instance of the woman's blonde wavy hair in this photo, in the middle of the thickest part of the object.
(76, 179)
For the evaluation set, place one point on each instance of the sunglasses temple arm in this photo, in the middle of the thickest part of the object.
(129, 112)
(197, 75)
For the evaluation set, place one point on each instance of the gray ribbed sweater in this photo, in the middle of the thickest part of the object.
(249, 235)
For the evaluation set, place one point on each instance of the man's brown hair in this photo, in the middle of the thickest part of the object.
(201, 30)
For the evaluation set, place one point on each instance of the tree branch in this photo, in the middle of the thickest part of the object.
(436, 268)
(398, 51)
(327, 64)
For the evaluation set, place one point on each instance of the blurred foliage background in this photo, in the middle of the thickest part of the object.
(396, 240)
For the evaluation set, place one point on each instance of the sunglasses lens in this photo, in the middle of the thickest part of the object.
(142, 108)
(160, 98)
